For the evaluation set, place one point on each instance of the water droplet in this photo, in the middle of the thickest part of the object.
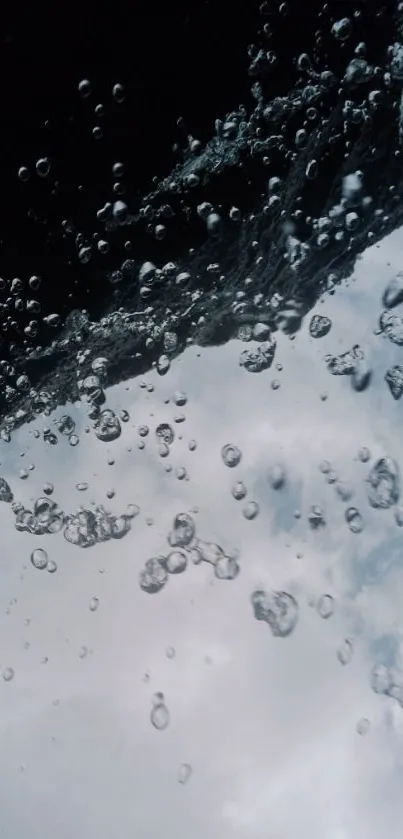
(231, 455)
(39, 559)
(325, 606)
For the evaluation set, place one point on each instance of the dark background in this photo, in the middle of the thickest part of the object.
(173, 59)
(178, 59)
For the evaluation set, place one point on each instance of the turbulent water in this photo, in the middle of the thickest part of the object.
(323, 167)
(257, 485)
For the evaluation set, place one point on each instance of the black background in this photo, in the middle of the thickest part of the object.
(179, 59)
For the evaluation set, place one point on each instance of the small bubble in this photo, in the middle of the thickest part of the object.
(325, 467)
(277, 476)
(192, 445)
(185, 771)
(364, 454)
(143, 430)
(180, 398)
(84, 88)
(160, 716)
(344, 490)
(51, 567)
(250, 510)
(345, 651)
(163, 450)
(24, 474)
(39, 559)
(399, 516)
(170, 652)
(180, 473)
(93, 604)
(275, 385)
(354, 520)
(110, 493)
(325, 606)
(43, 166)
(82, 486)
(23, 173)
(118, 93)
(74, 440)
(231, 455)
(176, 562)
(132, 510)
(8, 674)
(363, 726)
(239, 491)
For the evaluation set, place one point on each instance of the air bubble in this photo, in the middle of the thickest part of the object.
(8, 674)
(278, 608)
(325, 606)
(118, 93)
(354, 520)
(231, 455)
(84, 88)
(185, 771)
(363, 726)
(39, 559)
(239, 491)
(250, 510)
(346, 651)
(43, 166)
(383, 483)
(93, 604)
(160, 716)
(176, 562)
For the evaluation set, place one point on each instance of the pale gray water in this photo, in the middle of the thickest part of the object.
(284, 736)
